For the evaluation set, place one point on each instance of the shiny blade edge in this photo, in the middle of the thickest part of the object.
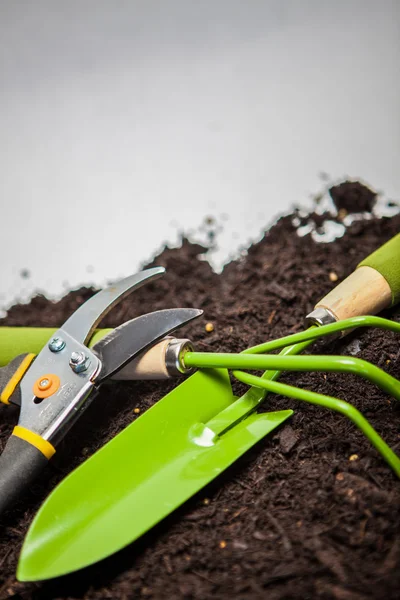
(85, 319)
(127, 341)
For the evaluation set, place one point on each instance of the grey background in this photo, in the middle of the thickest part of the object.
(122, 122)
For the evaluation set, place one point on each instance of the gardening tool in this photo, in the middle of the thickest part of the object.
(193, 434)
(54, 388)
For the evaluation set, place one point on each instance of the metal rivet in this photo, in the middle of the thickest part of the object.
(77, 357)
(43, 383)
(56, 344)
(79, 362)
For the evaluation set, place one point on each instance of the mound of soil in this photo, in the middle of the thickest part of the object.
(313, 510)
(353, 197)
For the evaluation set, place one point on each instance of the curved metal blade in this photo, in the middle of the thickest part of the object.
(85, 319)
(123, 344)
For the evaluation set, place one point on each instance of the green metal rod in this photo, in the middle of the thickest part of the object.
(314, 333)
(328, 402)
(300, 341)
(341, 364)
(248, 403)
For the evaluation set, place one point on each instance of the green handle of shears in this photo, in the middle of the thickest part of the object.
(23, 340)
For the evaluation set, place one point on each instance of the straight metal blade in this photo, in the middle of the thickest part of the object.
(124, 343)
(142, 475)
(85, 319)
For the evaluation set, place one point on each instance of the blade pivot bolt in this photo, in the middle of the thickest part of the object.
(56, 344)
(79, 362)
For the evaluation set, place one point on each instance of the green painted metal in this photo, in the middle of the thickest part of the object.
(292, 345)
(178, 446)
(333, 404)
(336, 364)
(251, 399)
(314, 333)
(139, 477)
(288, 362)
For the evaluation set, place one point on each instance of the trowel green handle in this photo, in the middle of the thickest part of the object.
(372, 287)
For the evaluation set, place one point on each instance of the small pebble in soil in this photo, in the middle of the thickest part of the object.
(209, 327)
(353, 457)
(333, 276)
(222, 544)
(136, 411)
(239, 545)
(206, 501)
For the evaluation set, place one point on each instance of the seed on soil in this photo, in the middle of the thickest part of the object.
(136, 411)
(238, 545)
(209, 327)
(340, 477)
(258, 535)
(206, 501)
(222, 544)
(353, 457)
(333, 276)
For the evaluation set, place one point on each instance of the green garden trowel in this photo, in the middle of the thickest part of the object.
(200, 428)
(157, 463)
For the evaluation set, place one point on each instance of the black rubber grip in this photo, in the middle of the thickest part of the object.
(20, 464)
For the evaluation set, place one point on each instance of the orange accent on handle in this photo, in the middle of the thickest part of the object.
(46, 385)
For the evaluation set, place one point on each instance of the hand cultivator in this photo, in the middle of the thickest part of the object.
(188, 437)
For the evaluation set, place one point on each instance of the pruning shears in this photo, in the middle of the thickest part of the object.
(56, 386)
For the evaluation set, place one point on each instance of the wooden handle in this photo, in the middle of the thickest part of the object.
(149, 365)
(373, 286)
(364, 292)
(161, 361)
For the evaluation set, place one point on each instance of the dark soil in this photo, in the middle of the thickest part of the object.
(353, 197)
(293, 519)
